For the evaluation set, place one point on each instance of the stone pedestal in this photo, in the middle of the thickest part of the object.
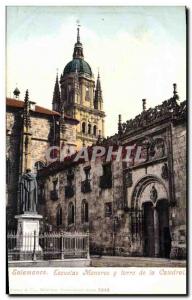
(28, 234)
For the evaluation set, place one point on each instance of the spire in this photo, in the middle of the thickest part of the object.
(119, 126)
(26, 113)
(98, 86)
(78, 48)
(56, 95)
(98, 94)
(144, 104)
(78, 34)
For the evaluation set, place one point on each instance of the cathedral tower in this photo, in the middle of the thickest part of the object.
(80, 98)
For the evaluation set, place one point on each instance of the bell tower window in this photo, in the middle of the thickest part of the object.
(89, 128)
(83, 127)
(95, 130)
(87, 94)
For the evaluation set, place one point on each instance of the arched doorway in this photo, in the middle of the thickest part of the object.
(151, 198)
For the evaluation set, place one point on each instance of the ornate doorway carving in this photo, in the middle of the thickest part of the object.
(150, 196)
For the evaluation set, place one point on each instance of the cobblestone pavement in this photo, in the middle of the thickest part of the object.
(117, 261)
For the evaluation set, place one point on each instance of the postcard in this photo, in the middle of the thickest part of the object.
(96, 150)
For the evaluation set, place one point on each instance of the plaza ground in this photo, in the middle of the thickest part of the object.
(103, 261)
(117, 261)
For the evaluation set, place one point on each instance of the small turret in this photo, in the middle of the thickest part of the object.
(16, 93)
(175, 93)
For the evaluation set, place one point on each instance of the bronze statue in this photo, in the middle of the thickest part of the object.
(28, 192)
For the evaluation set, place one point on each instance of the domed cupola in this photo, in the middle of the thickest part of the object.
(78, 63)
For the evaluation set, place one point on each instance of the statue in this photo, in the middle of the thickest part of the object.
(128, 178)
(165, 172)
(28, 192)
(153, 194)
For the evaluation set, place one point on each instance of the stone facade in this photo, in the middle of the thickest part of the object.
(42, 137)
(134, 209)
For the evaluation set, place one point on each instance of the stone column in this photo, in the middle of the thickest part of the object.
(156, 232)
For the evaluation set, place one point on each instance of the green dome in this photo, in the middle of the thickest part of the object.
(80, 64)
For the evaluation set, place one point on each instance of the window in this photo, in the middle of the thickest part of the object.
(83, 127)
(69, 188)
(107, 170)
(39, 165)
(71, 213)
(84, 212)
(87, 94)
(86, 184)
(59, 216)
(89, 128)
(54, 193)
(95, 130)
(87, 171)
(106, 178)
(41, 191)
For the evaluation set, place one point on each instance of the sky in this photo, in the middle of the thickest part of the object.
(139, 51)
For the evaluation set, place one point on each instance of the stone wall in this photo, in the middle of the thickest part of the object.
(40, 142)
(103, 236)
(13, 140)
(40, 129)
(178, 214)
(111, 233)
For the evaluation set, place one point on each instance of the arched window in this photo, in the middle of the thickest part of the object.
(84, 212)
(59, 216)
(71, 213)
(39, 165)
(95, 130)
(83, 127)
(87, 94)
(89, 128)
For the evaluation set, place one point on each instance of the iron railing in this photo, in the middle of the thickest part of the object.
(47, 246)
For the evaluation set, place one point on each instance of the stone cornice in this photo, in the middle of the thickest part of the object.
(89, 110)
